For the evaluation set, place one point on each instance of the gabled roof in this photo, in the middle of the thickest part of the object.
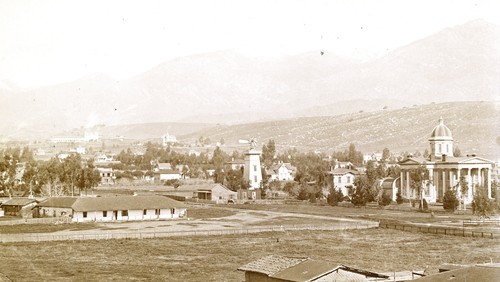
(271, 264)
(164, 166)
(58, 202)
(342, 171)
(19, 202)
(112, 203)
(305, 271)
(211, 187)
(167, 171)
(483, 273)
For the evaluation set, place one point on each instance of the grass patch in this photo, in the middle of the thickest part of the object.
(208, 212)
(192, 258)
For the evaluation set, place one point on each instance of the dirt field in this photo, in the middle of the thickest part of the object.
(216, 258)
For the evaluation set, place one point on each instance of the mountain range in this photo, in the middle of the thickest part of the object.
(459, 63)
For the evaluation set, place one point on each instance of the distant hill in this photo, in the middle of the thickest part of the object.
(475, 127)
(459, 63)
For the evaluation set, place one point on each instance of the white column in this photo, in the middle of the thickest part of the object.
(479, 178)
(432, 192)
(489, 183)
(459, 192)
(444, 181)
(452, 181)
(469, 183)
(401, 181)
(408, 183)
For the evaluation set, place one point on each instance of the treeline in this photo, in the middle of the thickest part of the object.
(21, 174)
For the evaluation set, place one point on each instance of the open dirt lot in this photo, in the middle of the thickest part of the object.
(216, 258)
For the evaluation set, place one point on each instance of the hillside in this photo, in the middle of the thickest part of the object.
(475, 127)
(460, 63)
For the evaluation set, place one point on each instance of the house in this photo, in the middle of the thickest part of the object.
(182, 192)
(19, 207)
(343, 179)
(107, 176)
(168, 139)
(236, 164)
(347, 165)
(279, 268)
(216, 193)
(165, 175)
(281, 172)
(119, 208)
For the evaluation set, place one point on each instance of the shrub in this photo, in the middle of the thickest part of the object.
(385, 200)
(399, 198)
(450, 200)
(335, 197)
(481, 205)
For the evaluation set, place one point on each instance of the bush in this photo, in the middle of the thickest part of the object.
(399, 198)
(385, 200)
(450, 200)
(335, 197)
(481, 205)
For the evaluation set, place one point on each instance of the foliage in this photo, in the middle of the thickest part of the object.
(268, 152)
(361, 193)
(450, 200)
(349, 155)
(386, 154)
(335, 197)
(457, 152)
(399, 198)
(418, 177)
(481, 205)
(385, 200)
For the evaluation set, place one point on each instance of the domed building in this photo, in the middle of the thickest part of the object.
(445, 171)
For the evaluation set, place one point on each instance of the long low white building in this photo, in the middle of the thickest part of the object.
(118, 208)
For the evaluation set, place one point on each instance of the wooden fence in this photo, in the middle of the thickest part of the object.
(443, 230)
(40, 237)
(44, 220)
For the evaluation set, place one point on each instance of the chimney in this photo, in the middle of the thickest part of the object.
(443, 158)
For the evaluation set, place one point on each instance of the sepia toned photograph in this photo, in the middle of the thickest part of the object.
(250, 141)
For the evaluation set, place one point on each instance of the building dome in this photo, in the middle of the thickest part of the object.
(441, 132)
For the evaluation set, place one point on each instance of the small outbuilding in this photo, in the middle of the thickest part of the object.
(119, 208)
(19, 207)
(216, 193)
(279, 269)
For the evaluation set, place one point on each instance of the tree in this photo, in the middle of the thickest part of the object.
(268, 152)
(456, 152)
(481, 205)
(360, 194)
(450, 200)
(385, 200)
(418, 177)
(386, 154)
(335, 197)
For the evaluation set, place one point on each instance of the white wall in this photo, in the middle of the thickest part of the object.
(132, 215)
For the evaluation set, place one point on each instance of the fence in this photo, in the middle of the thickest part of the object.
(44, 220)
(481, 222)
(40, 237)
(443, 230)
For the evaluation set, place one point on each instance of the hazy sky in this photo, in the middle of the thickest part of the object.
(47, 42)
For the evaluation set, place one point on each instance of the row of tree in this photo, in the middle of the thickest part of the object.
(55, 177)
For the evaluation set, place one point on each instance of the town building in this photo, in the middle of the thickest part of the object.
(299, 269)
(216, 193)
(252, 171)
(20, 207)
(108, 176)
(168, 139)
(119, 208)
(445, 170)
(281, 172)
(343, 179)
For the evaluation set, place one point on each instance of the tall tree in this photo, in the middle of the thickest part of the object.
(386, 154)
(268, 152)
(418, 178)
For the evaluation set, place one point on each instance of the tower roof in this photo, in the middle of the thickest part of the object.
(441, 132)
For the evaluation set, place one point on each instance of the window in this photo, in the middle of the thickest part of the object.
(254, 168)
(348, 179)
(125, 213)
(145, 212)
(157, 212)
(172, 211)
(255, 178)
(84, 214)
(439, 148)
(105, 214)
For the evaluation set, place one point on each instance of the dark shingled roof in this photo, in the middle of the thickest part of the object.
(305, 271)
(271, 264)
(113, 203)
(19, 202)
(483, 273)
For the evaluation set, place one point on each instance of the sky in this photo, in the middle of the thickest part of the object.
(49, 42)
